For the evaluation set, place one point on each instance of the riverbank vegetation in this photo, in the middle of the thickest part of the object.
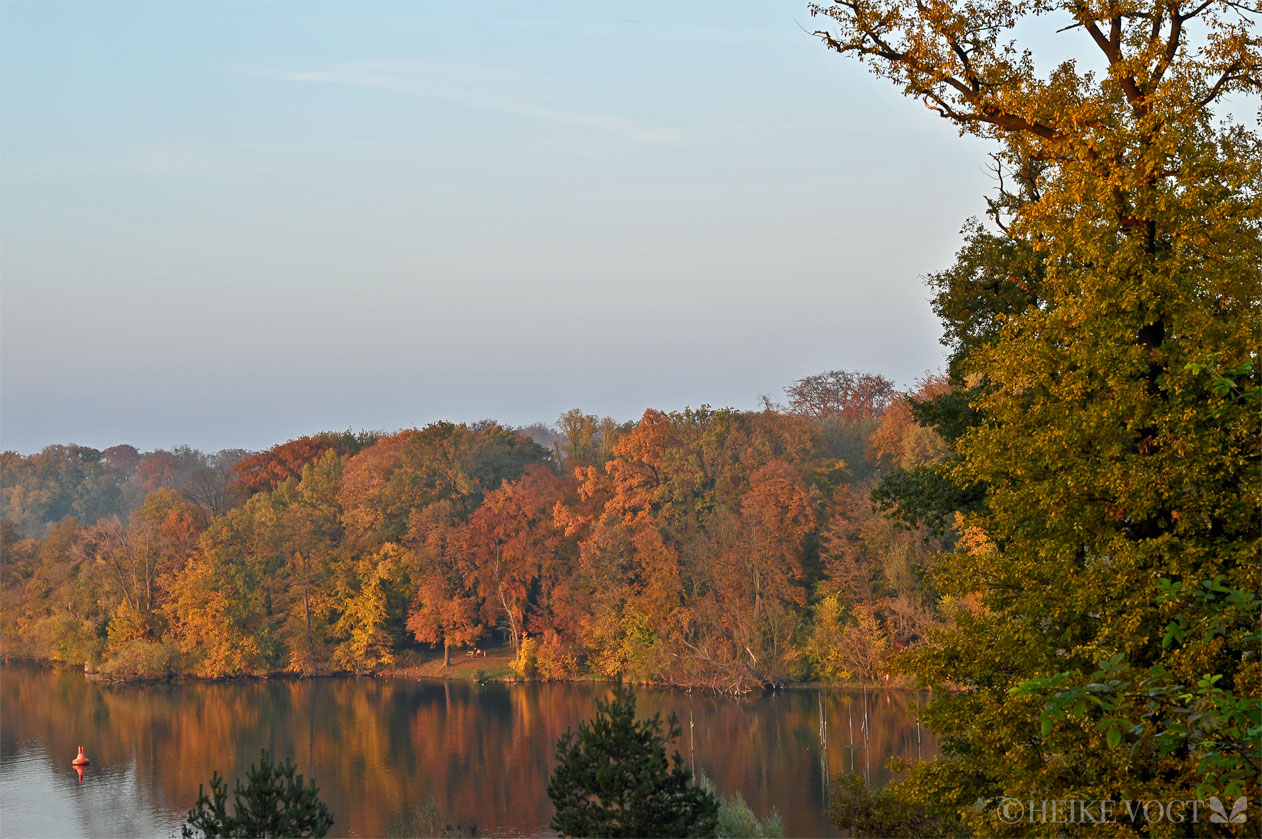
(708, 547)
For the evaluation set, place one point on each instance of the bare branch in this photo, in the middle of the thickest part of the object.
(1172, 47)
(1089, 23)
(1195, 12)
(1229, 75)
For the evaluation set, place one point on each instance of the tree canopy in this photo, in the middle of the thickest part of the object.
(704, 547)
(1104, 339)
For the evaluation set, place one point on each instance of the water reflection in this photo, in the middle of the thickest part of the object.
(383, 750)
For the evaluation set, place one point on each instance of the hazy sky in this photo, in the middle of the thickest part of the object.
(231, 224)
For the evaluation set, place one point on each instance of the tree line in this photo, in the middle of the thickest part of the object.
(715, 547)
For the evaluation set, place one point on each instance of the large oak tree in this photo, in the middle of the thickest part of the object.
(1112, 553)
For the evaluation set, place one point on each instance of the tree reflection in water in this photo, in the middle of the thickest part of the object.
(384, 750)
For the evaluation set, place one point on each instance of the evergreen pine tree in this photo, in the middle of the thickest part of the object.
(613, 778)
(272, 803)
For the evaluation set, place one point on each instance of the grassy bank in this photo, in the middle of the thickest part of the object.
(495, 666)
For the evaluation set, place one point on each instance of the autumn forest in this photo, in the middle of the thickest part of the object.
(706, 547)
(1057, 534)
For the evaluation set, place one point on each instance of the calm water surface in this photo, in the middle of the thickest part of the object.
(383, 751)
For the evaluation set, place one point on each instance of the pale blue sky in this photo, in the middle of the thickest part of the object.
(232, 224)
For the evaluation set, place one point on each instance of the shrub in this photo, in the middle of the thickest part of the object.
(863, 812)
(738, 821)
(140, 659)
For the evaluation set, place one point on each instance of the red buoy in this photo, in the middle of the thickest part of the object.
(81, 760)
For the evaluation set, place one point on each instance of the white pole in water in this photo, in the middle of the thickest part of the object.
(867, 774)
(850, 715)
(823, 747)
(692, 744)
(865, 713)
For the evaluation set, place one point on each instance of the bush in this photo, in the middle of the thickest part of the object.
(272, 803)
(863, 812)
(738, 821)
(140, 659)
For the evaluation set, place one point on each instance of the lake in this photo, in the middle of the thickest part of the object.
(388, 754)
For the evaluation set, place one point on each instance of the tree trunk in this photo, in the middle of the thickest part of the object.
(306, 615)
(446, 653)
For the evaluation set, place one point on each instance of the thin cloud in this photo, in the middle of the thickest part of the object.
(479, 88)
(633, 29)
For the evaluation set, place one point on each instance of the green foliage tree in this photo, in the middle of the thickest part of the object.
(273, 802)
(613, 779)
(1106, 480)
(310, 541)
(217, 608)
(582, 435)
(58, 482)
(372, 609)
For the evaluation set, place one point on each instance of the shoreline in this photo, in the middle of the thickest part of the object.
(495, 670)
